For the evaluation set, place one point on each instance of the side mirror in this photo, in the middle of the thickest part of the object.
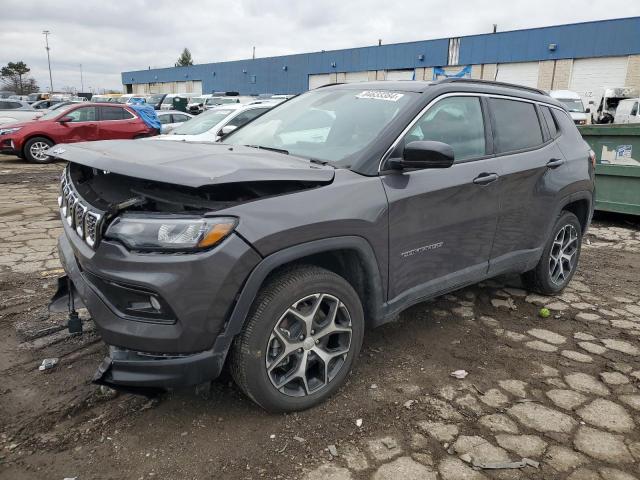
(588, 110)
(424, 154)
(226, 130)
(66, 119)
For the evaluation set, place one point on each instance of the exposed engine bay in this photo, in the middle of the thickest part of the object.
(112, 192)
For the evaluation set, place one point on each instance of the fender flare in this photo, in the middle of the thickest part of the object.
(573, 197)
(257, 277)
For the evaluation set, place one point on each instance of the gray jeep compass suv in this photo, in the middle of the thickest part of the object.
(275, 249)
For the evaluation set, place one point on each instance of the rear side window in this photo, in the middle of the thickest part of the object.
(111, 113)
(566, 125)
(634, 109)
(550, 121)
(516, 125)
(456, 121)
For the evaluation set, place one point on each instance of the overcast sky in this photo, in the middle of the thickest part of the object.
(110, 37)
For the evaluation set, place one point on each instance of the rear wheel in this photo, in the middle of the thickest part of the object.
(34, 150)
(302, 337)
(559, 259)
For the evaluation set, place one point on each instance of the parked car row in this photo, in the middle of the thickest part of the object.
(69, 122)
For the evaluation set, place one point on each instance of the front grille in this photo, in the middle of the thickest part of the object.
(82, 217)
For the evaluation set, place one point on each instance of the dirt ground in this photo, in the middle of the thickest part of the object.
(417, 421)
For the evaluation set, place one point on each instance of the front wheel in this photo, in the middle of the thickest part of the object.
(35, 148)
(559, 259)
(302, 337)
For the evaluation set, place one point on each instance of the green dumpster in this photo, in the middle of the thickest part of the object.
(180, 103)
(617, 149)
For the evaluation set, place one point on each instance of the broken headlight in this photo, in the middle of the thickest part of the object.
(164, 233)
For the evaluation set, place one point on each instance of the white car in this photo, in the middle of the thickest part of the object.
(14, 111)
(628, 111)
(196, 104)
(573, 103)
(171, 119)
(213, 124)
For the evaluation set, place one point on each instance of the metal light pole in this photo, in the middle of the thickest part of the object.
(81, 80)
(46, 34)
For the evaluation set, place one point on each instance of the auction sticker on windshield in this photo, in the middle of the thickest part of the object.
(381, 95)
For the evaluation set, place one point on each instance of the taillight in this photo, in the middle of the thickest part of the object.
(592, 157)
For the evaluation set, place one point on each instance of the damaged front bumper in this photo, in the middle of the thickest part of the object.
(146, 356)
(139, 372)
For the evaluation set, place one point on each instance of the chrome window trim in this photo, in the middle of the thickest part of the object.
(420, 114)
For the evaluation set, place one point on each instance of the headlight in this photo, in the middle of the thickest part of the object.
(162, 233)
(7, 131)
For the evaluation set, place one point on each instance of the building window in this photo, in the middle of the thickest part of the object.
(252, 79)
(454, 51)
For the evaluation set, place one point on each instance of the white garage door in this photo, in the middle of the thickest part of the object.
(352, 77)
(196, 87)
(319, 80)
(589, 75)
(181, 87)
(399, 75)
(519, 73)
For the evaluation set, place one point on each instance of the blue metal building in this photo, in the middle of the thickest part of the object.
(533, 54)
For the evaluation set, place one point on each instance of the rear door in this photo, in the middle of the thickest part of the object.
(442, 221)
(116, 122)
(82, 125)
(533, 168)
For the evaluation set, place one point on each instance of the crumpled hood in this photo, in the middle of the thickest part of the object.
(191, 164)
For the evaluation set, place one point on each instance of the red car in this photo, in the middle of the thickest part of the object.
(72, 123)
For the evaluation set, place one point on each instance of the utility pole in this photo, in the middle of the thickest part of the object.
(81, 80)
(254, 53)
(46, 34)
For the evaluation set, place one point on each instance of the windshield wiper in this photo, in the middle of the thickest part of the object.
(271, 149)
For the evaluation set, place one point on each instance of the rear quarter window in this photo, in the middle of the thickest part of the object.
(516, 125)
(550, 121)
(566, 125)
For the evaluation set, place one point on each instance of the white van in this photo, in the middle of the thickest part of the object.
(573, 103)
(628, 111)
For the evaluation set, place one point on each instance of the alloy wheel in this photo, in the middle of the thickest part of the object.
(308, 345)
(563, 254)
(37, 150)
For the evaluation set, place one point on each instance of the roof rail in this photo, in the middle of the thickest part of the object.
(492, 82)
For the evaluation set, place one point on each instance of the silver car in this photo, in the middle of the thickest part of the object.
(170, 119)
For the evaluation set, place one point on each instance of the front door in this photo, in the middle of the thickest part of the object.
(82, 125)
(442, 222)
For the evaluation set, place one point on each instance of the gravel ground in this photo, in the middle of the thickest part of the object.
(561, 392)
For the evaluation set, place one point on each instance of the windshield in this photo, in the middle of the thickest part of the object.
(330, 125)
(51, 114)
(573, 105)
(221, 101)
(197, 100)
(153, 99)
(202, 123)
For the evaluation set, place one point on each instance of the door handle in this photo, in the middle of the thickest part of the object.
(555, 162)
(485, 178)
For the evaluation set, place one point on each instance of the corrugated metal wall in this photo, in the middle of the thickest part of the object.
(290, 73)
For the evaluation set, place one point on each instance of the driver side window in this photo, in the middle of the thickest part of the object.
(456, 121)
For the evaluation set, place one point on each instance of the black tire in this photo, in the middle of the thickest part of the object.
(541, 279)
(251, 348)
(30, 148)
